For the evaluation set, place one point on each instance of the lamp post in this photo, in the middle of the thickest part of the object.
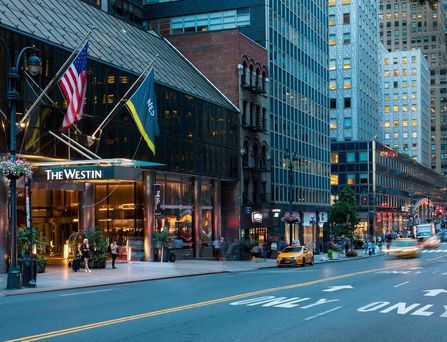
(290, 163)
(12, 96)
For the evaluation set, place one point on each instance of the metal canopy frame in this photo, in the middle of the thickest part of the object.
(99, 162)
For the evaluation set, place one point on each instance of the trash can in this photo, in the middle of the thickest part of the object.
(28, 268)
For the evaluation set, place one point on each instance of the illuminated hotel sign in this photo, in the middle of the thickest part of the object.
(73, 174)
(256, 217)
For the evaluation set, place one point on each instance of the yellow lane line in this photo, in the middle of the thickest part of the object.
(195, 305)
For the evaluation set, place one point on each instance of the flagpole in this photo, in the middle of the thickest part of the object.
(70, 145)
(120, 103)
(55, 78)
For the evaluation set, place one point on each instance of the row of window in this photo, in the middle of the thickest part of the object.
(396, 96)
(346, 83)
(404, 135)
(351, 178)
(395, 84)
(404, 5)
(404, 72)
(346, 63)
(404, 108)
(346, 103)
(351, 157)
(346, 38)
(414, 147)
(212, 21)
(346, 19)
(387, 123)
(332, 3)
(347, 123)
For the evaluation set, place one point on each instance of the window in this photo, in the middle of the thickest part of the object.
(386, 85)
(414, 147)
(396, 135)
(346, 19)
(347, 122)
(405, 96)
(414, 108)
(414, 135)
(405, 147)
(347, 38)
(350, 179)
(332, 84)
(404, 60)
(347, 101)
(404, 108)
(333, 124)
(405, 123)
(395, 84)
(350, 157)
(387, 109)
(386, 61)
(395, 108)
(334, 157)
(331, 3)
(363, 178)
(332, 20)
(396, 123)
(405, 135)
(332, 40)
(333, 103)
(386, 124)
(404, 84)
(347, 83)
(413, 96)
(413, 71)
(387, 136)
(404, 72)
(332, 64)
(363, 156)
(346, 63)
(386, 73)
(334, 178)
(414, 122)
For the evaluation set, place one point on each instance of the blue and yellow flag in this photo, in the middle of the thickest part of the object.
(143, 107)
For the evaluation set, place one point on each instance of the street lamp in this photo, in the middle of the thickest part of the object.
(12, 96)
(290, 163)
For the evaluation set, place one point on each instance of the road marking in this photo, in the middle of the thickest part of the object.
(434, 292)
(81, 293)
(405, 282)
(100, 324)
(323, 313)
(336, 288)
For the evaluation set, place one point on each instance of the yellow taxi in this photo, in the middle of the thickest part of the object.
(295, 255)
(404, 248)
(431, 242)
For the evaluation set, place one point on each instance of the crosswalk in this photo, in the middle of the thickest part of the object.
(434, 250)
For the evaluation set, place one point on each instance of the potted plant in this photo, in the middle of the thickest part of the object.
(14, 169)
(161, 240)
(41, 264)
(333, 253)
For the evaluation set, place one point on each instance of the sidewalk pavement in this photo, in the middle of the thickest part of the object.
(61, 277)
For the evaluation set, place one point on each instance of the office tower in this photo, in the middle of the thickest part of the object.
(406, 109)
(354, 70)
(295, 36)
(407, 26)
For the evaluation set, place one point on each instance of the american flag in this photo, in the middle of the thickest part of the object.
(73, 84)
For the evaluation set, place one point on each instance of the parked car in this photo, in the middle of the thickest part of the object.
(404, 248)
(431, 242)
(442, 235)
(295, 255)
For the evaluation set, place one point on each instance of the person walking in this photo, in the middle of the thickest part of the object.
(216, 248)
(85, 250)
(114, 252)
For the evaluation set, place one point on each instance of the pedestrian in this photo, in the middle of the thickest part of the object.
(346, 246)
(216, 248)
(114, 252)
(85, 250)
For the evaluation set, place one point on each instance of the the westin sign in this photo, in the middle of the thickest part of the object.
(73, 174)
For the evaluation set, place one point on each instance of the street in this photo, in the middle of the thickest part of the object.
(373, 299)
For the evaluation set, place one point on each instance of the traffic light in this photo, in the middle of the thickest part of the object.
(440, 211)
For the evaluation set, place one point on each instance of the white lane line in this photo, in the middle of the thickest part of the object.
(405, 282)
(322, 313)
(81, 293)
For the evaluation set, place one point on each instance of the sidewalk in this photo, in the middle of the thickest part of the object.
(60, 277)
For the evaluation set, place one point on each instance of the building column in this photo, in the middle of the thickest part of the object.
(149, 206)
(217, 212)
(4, 223)
(87, 207)
(197, 218)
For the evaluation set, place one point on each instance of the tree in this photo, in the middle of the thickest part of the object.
(343, 216)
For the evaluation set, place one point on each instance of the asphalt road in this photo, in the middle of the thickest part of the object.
(374, 299)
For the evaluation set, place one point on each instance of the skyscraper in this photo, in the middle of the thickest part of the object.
(353, 70)
(406, 109)
(406, 26)
(295, 36)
